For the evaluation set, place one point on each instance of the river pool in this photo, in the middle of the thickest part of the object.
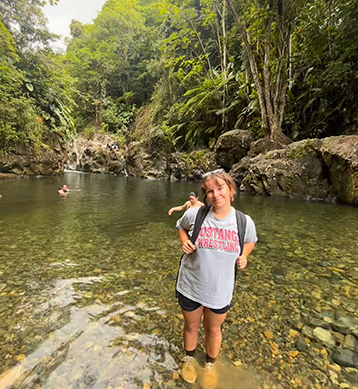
(87, 288)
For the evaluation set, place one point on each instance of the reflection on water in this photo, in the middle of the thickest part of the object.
(87, 287)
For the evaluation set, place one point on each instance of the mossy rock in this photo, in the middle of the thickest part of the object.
(340, 155)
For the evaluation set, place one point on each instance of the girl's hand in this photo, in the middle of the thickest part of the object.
(241, 261)
(188, 247)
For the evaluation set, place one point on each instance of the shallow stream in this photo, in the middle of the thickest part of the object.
(87, 287)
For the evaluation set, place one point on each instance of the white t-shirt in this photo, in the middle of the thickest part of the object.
(207, 275)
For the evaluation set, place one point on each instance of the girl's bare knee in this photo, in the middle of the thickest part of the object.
(212, 331)
(191, 328)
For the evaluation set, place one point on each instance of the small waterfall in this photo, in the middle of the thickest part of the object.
(124, 166)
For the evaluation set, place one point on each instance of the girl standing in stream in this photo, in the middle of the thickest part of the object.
(206, 275)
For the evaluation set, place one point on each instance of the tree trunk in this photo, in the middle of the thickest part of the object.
(272, 102)
(224, 71)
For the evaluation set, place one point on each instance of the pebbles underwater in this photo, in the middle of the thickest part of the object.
(80, 309)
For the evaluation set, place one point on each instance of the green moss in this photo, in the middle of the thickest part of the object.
(288, 188)
(298, 153)
(196, 159)
(88, 133)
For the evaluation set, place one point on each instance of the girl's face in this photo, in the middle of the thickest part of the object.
(192, 199)
(218, 193)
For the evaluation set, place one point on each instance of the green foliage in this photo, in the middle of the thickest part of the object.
(117, 116)
(189, 96)
(51, 90)
(110, 59)
(196, 158)
(88, 133)
(181, 67)
(26, 23)
(18, 120)
(322, 100)
(35, 92)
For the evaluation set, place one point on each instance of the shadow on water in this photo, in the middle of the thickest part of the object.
(87, 288)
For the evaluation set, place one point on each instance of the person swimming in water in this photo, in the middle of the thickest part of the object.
(61, 192)
(65, 189)
(191, 203)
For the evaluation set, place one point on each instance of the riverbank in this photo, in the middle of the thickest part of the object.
(312, 169)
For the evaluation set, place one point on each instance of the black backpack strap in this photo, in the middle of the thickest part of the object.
(241, 228)
(200, 217)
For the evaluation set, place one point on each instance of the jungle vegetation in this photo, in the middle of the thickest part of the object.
(284, 69)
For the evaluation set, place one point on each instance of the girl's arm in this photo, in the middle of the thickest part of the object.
(242, 260)
(179, 208)
(187, 246)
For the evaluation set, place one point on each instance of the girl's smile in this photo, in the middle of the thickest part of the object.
(218, 193)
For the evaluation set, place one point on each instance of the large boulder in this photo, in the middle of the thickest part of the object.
(232, 146)
(340, 154)
(46, 160)
(312, 168)
(263, 145)
(141, 163)
(296, 171)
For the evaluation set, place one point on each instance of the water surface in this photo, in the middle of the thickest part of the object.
(87, 285)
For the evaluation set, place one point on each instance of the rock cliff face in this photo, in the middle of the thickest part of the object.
(340, 155)
(47, 161)
(150, 158)
(92, 156)
(323, 169)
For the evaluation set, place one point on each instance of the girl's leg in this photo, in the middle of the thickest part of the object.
(212, 326)
(191, 326)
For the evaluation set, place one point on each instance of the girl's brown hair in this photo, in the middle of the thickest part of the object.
(216, 175)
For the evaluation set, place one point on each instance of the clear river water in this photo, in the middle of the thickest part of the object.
(87, 287)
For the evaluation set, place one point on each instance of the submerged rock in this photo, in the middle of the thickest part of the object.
(324, 336)
(345, 357)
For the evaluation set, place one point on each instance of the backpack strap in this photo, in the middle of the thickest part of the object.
(200, 217)
(241, 228)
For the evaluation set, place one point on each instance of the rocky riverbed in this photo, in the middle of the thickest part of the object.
(293, 322)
